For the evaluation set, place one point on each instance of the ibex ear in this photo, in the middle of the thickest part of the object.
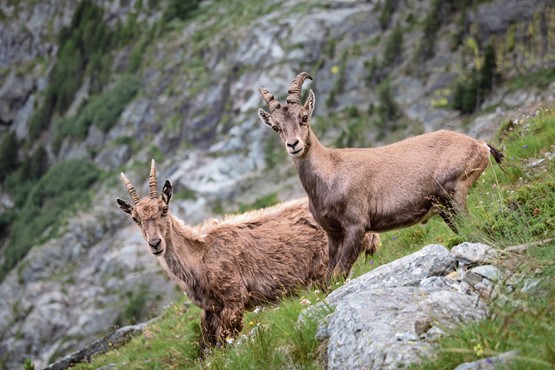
(264, 117)
(309, 103)
(125, 207)
(167, 192)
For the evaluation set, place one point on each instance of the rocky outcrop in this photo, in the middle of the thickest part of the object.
(390, 317)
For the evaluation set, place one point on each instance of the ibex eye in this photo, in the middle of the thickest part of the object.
(275, 128)
(305, 118)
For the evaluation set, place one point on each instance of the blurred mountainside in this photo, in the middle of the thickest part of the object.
(92, 88)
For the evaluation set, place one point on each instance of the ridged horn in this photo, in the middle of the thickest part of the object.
(268, 97)
(153, 182)
(131, 189)
(294, 96)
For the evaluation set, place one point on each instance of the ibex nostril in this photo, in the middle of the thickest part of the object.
(293, 145)
(154, 243)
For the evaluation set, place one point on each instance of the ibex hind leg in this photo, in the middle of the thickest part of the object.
(453, 205)
(210, 322)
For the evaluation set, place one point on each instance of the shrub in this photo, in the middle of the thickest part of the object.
(102, 111)
(470, 91)
(179, 9)
(61, 190)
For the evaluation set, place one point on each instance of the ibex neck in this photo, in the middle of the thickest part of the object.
(314, 165)
(184, 247)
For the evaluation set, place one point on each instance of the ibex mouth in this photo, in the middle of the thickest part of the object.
(158, 253)
(295, 152)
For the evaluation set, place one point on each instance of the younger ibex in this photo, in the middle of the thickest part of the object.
(352, 191)
(233, 265)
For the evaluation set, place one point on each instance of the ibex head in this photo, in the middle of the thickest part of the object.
(150, 214)
(291, 121)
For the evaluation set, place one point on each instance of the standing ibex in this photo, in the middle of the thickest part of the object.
(352, 191)
(234, 265)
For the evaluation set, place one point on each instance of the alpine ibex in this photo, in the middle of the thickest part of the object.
(235, 264)
(352, 191)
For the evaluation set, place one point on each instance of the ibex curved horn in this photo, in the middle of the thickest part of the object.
(294, 96)
(268, 97)
(131, 189)
(153, 182)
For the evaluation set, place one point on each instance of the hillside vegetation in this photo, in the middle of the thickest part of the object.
(510, 206)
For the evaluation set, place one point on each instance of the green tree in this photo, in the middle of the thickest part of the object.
(8, 155)
(393, 47)
(387, 10)
(180, 9)
(487, 73)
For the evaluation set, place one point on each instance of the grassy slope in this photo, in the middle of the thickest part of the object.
(508, 208)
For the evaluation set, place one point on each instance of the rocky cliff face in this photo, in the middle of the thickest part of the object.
(195, 112)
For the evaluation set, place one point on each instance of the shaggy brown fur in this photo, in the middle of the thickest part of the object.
(352, 191)
(238, 263)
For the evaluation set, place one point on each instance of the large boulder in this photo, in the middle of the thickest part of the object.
(393, 315)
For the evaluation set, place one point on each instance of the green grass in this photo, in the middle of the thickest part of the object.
(540, 78)
(506, 208)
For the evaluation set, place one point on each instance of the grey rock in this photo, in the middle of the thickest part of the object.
(406, 337)
(472, 278)
(432, 260)
(530, 285)
(536, 163)
(363, 329)
(490, 363)
(473, 253)
(490, 272)
(434, 334)
(113, 157)
(14, 93)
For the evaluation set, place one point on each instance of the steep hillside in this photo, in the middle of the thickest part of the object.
(92, 88)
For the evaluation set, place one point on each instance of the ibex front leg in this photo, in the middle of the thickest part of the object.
(349, 250)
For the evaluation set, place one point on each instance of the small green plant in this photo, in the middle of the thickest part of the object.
(28, 364)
